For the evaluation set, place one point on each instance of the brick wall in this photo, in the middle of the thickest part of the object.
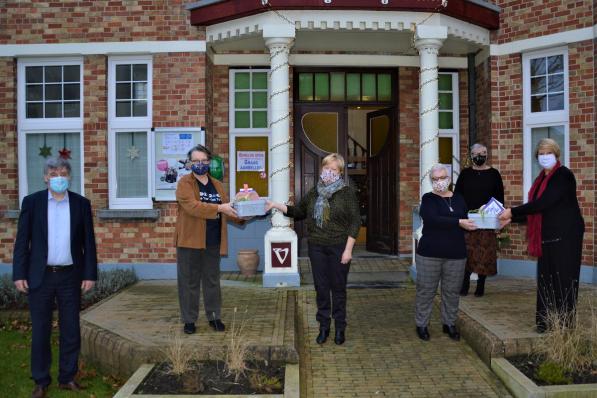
(41, 21)
(507, 133)
(523, 19)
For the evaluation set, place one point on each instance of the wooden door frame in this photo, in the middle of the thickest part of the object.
(299, 105)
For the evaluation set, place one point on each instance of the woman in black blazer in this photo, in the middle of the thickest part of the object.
(555, 229)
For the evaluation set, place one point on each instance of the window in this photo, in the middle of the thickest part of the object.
(49, 118)
(248, 100)
(449, 122)
(341, 86)
(129, 125)
(545, 103)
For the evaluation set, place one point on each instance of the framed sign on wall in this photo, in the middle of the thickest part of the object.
(170, 147)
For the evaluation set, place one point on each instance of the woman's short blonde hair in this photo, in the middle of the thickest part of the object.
(549, 144)
(334, 157)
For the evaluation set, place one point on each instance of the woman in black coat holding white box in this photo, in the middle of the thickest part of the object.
(478, 184)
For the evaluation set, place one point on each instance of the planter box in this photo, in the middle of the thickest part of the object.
(521, 386)
(486, 221)
(249, 208)
(291, 386)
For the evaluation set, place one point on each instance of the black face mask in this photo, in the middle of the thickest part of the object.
(479, 160)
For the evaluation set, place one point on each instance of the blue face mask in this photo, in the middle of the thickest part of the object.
(59, 184)
(200, 169)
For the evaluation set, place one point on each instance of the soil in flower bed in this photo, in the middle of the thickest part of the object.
(211, 377)
(528, 366)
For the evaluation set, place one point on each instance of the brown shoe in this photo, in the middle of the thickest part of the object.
(39, 391)
(72, 386)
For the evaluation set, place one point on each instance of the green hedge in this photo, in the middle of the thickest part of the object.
(108, 283)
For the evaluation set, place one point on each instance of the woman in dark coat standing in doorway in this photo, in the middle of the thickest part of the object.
(478, 184)
(555, 230)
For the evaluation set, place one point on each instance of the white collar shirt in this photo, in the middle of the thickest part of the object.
(59, 231)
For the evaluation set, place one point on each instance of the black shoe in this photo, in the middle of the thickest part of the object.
(452, 332)
(423, 333)
(217, 325)
(339, 339)
(322, 336)
(480, 290)
(189, 328)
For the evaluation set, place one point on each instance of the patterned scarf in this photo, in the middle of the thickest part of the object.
(321, 213)
(534, 221)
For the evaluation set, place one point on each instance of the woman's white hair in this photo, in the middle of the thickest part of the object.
(438, 167)
(476, 146)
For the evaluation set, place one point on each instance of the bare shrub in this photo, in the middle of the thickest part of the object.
(177, 354)
(238, 348)
(571, 337)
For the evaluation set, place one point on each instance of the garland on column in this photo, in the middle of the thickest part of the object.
(434, 139)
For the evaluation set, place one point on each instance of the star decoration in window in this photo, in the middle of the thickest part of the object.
(65, 153)
(133, 152)
(45, 151)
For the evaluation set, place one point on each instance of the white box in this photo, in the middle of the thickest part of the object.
(249, 208)
(485, 221)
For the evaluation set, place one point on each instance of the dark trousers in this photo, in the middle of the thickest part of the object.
(329, 276)
(558, 271)
(64, 288)
(197, 269)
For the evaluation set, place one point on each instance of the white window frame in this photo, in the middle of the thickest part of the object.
(45, 125)
(454, 132)
(231, 101)
(232, 159)
(245, 132)
(542, 119)
(128, 124)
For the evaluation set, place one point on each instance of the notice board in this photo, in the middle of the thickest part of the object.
(170, 148)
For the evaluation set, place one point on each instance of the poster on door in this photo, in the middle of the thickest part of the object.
(250, 161)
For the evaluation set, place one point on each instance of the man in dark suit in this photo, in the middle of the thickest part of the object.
(55, 260)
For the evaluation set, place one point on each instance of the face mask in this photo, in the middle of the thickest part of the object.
(59, 184)
(479, 160)
(441, 185)
(328, 176)
(547, 161)
(200, 169)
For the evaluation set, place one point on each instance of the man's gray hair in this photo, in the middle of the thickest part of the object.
(57, 163)
(438, 167)
(477, 146)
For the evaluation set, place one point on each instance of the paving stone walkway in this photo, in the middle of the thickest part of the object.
(383, 356)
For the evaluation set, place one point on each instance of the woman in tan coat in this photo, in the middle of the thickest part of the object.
(201, 238)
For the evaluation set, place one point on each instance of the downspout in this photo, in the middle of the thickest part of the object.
(472, 100)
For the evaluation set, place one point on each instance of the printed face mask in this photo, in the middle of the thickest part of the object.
(59, 184)
(479, 160)
(329, 176)
(200, 168)
(547, 161)
(441, 185)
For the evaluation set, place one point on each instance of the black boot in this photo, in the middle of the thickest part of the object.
(480, 290)
(323, 335)
(339, 338)
(466, 283)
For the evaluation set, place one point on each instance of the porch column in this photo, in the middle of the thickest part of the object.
(428, 40)
(281, 244)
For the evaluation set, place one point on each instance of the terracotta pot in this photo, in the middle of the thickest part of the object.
(247, 261)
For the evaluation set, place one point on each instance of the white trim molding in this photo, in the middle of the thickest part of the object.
(342, 20)
(352, 60)
(108, 48)
(537, 43)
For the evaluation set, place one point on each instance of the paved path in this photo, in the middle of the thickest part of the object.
(383, 356)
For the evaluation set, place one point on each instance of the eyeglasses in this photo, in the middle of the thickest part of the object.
(205, 162)
(439, 178)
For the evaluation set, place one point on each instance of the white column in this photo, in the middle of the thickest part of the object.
(428, 40)
(281, 242)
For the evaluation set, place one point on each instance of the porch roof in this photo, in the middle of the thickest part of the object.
(478, 12)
